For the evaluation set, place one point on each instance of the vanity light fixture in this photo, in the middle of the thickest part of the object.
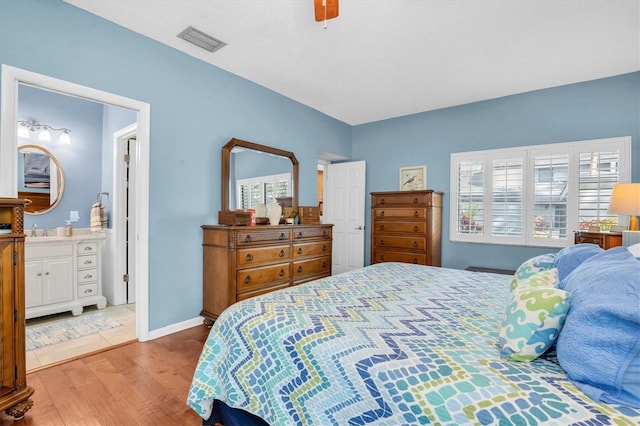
(26, 128)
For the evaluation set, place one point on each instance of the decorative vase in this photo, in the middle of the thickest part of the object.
(261, 210)
(274, 210)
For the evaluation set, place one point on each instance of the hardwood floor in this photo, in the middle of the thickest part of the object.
(136, 384)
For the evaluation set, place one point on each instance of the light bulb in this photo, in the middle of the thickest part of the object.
(44, 135)
(65, 138)
(23, 131)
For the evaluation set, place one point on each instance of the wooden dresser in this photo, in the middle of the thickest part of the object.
(14, 392)
(245, 261)
(406, 226)
(604, 239)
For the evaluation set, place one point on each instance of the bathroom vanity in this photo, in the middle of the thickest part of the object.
(63, 274)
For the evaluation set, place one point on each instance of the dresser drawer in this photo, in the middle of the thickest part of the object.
(305, 268)
(605, 240)
(87, 248)
(414, 243)
(260, 290)
(311, 249)
(88, 262)
(87, 275)
(404, 227)
(265, 276)
(397, 256)
(404, 213)
(405, 198)
(87, 290)
(257, 255)
(275, 235)
(301, 233)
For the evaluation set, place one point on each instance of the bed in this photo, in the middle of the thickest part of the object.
(389, 344)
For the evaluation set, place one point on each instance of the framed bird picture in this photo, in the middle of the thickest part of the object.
(413, 178)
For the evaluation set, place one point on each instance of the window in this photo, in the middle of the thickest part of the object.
(262, 190)
(536, 195)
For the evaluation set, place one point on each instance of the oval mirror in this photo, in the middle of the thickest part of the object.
(255, 160)
(40, 179)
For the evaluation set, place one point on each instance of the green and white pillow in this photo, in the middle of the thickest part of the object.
(532, 266)
(532, 321)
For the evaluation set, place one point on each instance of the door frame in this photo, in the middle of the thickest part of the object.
(11, 78)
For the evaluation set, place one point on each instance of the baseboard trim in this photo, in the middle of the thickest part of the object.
(174, 328)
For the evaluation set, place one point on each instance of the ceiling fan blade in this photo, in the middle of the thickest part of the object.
(331, 7)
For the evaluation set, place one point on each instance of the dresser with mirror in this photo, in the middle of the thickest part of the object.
(242, 261)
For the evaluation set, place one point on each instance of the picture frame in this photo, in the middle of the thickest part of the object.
(413, 178)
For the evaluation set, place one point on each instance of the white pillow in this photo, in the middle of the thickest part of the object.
(634, 249)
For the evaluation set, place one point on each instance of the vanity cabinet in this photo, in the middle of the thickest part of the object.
(62, 274)
(245, 261)
(14, 393)
(406, 226)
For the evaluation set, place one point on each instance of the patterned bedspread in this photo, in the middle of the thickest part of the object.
(389, 344)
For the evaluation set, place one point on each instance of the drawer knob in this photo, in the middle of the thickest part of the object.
(324, 264)
(415, 244)
(248, 239)
(416, 229)
(415, 261)
(281, 272)
(300, 235)
(88, 276)
(415, 201)
(382, 201)
(39, 274)
(88, 262)
(325, 234)
(281, 254)
(88, 290)
(382, 227)
(381, 242)
(46, 273)
(300, 268)
(324, 247)
(283, 236)
(382, 213)
(416, 214)
(247, 280)
(382, 257)
(88, 248)
(249, 257)
(300, 251)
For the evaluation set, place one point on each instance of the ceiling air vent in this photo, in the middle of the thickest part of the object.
(201, 39)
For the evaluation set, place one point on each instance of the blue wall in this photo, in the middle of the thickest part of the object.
(592, 110)
(188, 97)
(195, 110)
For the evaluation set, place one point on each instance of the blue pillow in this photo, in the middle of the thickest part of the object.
(599, 345)
(569, 258)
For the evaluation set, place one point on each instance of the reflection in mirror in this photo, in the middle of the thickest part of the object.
(40, 179)
(249, 164)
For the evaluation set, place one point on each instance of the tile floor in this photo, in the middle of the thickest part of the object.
(70, 349)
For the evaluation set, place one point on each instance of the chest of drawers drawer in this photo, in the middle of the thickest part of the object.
(264, 276)
(404, 198)
(387, 240)
(385, 255)
(302, 250)
(87, 275)
(88, 262)
(305, 233)
(400, 227)
(256, 255)
(400, 213)
(270, 236)
(311, 267)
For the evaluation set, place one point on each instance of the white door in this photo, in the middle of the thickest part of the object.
(343, 205)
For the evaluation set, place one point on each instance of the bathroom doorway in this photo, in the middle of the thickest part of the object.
(137, 212)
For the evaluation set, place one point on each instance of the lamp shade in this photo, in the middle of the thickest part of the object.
(625, 200)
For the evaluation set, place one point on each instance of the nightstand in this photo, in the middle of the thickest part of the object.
(604, 239)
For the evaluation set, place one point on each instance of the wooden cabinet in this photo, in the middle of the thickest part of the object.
(63, 274)
(244, 261)
(14, 392)
(406, 226)
(604, 239)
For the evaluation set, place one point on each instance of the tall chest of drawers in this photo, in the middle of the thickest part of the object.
(244, 261)
(406, 227)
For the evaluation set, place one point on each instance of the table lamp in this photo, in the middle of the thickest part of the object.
(625, 200)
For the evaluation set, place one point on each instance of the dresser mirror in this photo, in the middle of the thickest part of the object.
(40, 179)
(246, 160)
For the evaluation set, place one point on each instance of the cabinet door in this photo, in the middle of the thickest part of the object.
(58, 280)
(7, 362)
(33, 283)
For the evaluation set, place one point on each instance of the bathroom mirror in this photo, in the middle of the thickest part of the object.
(279, 161)
(40, 179)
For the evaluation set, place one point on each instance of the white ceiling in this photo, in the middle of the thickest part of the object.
(387, 58)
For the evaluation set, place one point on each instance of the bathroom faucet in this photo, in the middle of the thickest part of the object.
(33, 230)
